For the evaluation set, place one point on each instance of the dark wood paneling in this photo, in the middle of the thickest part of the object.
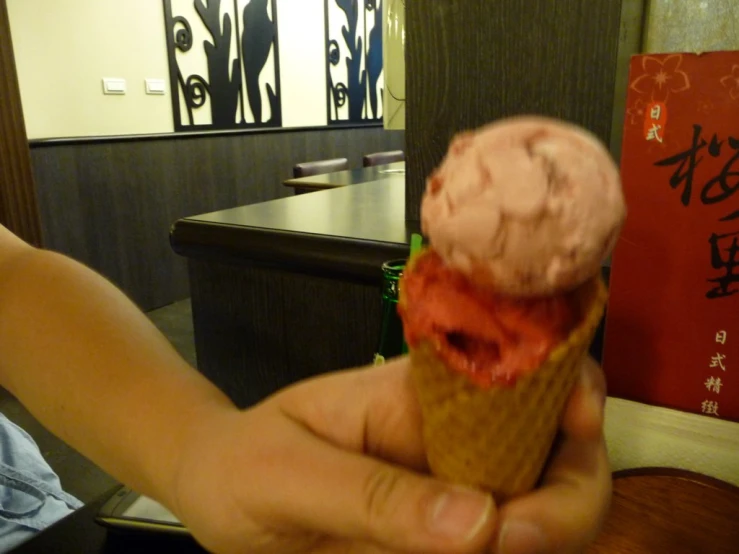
(111, 204)
(18, 208)
(259, 329)
(472, 61)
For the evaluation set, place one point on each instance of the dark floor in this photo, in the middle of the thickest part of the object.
(79, 476)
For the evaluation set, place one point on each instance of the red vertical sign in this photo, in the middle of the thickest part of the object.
(672, 329)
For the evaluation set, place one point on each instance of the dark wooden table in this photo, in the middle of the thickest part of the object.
(661, 510)
(290, 288)
(349, 177)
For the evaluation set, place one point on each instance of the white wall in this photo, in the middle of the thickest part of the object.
(302, 28)
(63, 49)
(692, 25)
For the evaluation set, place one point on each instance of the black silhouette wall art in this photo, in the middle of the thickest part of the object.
(354, 61)
(223, 63)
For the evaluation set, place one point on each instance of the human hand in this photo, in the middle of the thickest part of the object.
(336, 464)
(566, 512)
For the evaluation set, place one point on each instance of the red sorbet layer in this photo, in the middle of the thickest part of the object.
(491, 338)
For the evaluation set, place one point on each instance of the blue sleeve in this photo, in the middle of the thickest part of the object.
(31, 496)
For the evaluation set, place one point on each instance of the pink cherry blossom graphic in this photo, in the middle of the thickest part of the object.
(731, 82)
(636, 112)
(661, 77)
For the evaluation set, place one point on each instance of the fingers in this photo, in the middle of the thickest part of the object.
(373, 410)
(393, 416)
(352, 497)
(583, 417)
(565, 514)
(402, 511)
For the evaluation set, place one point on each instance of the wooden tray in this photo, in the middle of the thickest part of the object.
(670, 511)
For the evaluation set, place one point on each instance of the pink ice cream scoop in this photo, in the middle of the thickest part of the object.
(527, 206)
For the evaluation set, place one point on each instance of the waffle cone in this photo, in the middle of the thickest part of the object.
(498, 439)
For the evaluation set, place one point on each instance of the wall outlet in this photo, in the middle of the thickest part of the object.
(114, 86)
(155, 86)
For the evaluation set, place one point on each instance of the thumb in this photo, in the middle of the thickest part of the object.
(408, 512)
(348, 495)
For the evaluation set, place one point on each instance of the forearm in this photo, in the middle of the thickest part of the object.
(95, 371)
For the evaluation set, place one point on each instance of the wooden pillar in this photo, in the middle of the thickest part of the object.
(471, 61)
(18, 204)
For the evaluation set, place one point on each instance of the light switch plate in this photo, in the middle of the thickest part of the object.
(114, 85)
(155, 86)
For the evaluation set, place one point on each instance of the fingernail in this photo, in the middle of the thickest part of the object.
(521, 537)
(460, 513)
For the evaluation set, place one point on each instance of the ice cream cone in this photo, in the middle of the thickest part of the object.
(498, 439)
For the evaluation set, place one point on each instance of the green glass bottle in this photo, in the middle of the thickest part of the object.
(391, 342)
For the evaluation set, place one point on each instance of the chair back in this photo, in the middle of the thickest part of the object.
(320, 167)
(383, 158)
